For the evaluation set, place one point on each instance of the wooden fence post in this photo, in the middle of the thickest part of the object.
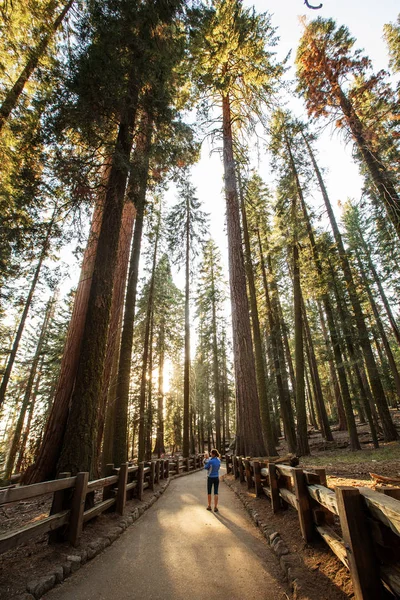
(61, 501)
(162, 468)
(157, 476)
(303, 505)
(241, 469)
(152, 474)
(364, 568)
(140, 480)
(257, 477)
(167, 468)
(273, 486)
(178, 465)
(235, 466)
(249, 477)
(187, 460)
(107, 491)
(77, 508)
(121, 492)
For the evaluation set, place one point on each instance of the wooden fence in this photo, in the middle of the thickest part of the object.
(68, 513)
(360, 525)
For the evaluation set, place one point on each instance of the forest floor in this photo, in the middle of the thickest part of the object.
(318, 565)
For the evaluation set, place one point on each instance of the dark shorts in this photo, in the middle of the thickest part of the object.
(212, 481)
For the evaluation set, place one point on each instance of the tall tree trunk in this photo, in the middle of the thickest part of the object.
(186, 369)
(217, 390)
(21, 326)
(137, 194)
(389, 429)
(146, 349)
(80, 441)
(11, 98)
(46, 460)
(249, 437)
(117, 307)
(258, 351)
(28, 391)
(278, 358)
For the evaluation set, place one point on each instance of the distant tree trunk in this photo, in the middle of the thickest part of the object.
(21, 326)
(80, 441)
(249, 438)
(186, 370)
(146, 349)
(28, 390)
(355, 356)
(258, 351)
(149, 412)
(137, 193)
(217, 390)
(160, 446)
(11, 98)
(302, 440)
(278, 358)
(389, 429)
(32, 405)
(107, 453)
(319, 398)
(334, 377)
(46, 460)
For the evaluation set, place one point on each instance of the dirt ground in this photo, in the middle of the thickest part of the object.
(321, 570)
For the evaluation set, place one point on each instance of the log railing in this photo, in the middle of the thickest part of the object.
(73, 497)
(360, 525)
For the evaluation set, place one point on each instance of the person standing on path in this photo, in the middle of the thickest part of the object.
(213, 465)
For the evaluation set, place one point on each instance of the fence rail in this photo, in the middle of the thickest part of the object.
(73, 497)
(360, 525)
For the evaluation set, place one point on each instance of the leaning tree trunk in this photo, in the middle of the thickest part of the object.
(21, 326)
(258, 351)
(389, 429)
(249, 437)
(45, 464)
(80, 441)
(380, 175)
(11, 99)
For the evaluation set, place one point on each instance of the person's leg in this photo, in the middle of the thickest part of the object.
(216, 486)
(209, 483)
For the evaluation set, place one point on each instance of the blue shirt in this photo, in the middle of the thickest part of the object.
(213, 464)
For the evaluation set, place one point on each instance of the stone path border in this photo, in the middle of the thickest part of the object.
(287, 562)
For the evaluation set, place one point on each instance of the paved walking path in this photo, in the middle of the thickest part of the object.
(180, 551)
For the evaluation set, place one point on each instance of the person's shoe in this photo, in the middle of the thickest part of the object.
(208, 507)
(215, 509)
